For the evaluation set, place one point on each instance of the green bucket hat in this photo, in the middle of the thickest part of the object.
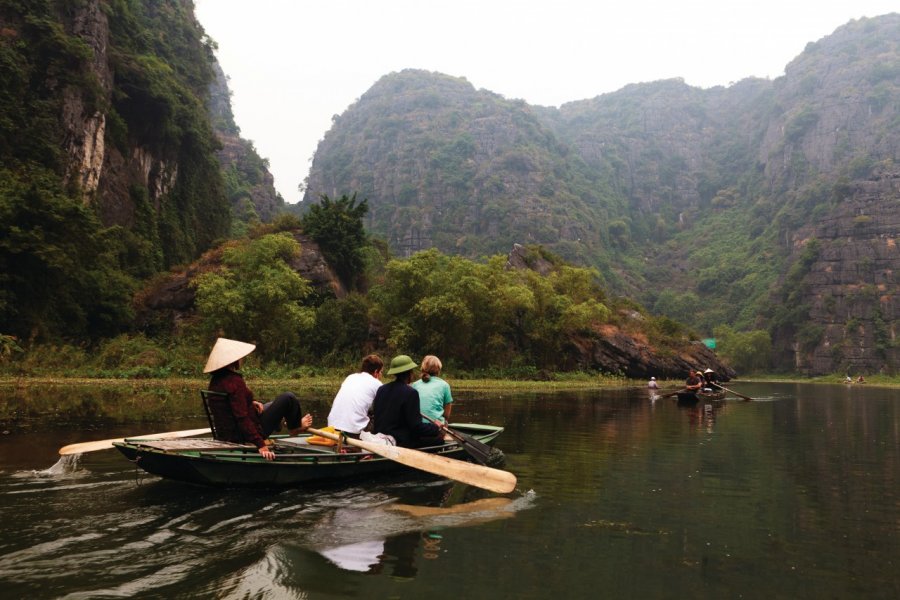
(401, 364)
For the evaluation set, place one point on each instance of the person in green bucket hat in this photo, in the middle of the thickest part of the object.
(396, 408)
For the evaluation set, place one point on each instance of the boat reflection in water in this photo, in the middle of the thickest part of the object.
(703, 414)
(393, 532)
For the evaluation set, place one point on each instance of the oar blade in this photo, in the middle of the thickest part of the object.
(83, 447)
(488, 478)
(480, 476)
(746, 398)
(473, 443)
(475, 452)
(475, 448)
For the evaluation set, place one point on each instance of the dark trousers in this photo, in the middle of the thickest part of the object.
(286, 406)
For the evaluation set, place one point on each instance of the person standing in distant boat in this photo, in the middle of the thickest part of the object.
(353, 402)
(255, 421)
(435, 400)
(652, 384)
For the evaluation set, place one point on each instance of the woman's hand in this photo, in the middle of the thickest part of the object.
(306, 422)
(266, 453)
(258, 406)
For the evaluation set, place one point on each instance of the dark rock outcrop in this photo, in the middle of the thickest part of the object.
(170, 300)
(252, 191)
(617, 351)
(624, 349)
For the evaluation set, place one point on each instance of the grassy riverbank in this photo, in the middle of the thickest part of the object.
(322, 383)
(463, 382)
(891, 381)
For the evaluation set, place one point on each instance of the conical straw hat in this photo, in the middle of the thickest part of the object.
(226, 352)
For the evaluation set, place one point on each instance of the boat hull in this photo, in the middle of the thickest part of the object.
(293, 466)
(690, 398)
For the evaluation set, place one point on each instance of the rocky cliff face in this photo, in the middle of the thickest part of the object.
(136, 136)
(710, 195)
(836, 104)
(443, 165)
(85, 127)
(851, 287)
(839, 125)
(249, 184)
(142, 173)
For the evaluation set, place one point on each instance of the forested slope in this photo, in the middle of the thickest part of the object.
(766, 204)
(109, 171)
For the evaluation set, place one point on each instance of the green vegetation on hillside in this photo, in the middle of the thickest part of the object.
(715, 208)
(337, 226)
(697, 203)
(70, 259)
(161, 83)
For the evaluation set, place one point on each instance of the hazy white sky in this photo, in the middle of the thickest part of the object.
(293, 64)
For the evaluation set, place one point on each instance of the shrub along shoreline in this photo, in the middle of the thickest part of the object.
(464, 382)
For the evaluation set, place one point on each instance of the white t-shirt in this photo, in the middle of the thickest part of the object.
(350, 409)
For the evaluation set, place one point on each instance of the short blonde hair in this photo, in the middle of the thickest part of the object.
(431, 364)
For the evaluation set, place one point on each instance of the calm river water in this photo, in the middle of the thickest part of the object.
(794, 495)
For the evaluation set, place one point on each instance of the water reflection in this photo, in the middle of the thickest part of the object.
(702, 414)
(793, 495)
(367, 538)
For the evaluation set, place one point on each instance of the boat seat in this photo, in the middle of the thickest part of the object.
(222, 422)
(302, 443)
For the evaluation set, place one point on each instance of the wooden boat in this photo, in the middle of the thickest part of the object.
(212, 462)
(688, 398)
(716, 395)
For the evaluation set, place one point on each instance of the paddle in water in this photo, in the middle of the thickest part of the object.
(747, 398)
(480, 476)
(478, 450)
(671, 394)
(83, 447)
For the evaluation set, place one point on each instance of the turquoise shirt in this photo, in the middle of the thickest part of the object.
(433, 396)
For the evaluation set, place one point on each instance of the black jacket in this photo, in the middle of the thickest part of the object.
(396, 413)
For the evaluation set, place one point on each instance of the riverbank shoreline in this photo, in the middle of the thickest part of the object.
(328, 382)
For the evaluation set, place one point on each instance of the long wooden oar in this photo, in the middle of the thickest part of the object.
(474, 448)
(480, 476)
(672, 394)
(105, 444)
(747, 398)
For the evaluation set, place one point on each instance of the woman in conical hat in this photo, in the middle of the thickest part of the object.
(226, 352)
(710, 380)
(255, 421)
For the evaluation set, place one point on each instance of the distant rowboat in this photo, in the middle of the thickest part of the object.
(693, 397)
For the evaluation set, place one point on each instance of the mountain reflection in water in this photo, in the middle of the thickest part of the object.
(792, 495)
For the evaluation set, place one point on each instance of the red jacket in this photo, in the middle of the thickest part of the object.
(241, 401)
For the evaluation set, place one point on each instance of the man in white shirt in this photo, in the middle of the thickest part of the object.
(353, 402)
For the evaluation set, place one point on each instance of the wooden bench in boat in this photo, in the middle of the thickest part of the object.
(191, 444)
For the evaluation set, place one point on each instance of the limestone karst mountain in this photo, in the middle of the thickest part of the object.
(766, 204)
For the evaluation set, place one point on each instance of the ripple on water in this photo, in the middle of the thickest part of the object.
(168, 575)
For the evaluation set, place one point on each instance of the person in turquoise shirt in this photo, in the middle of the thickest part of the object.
(435, 400)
